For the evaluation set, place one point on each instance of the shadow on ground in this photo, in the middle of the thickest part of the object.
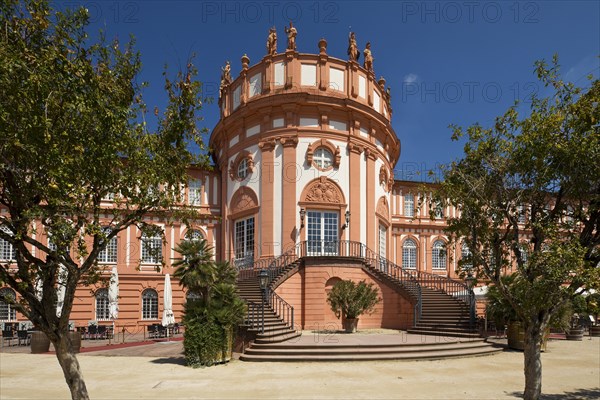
(169, 360)
(582, 394)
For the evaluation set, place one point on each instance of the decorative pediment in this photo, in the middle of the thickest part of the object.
(383, 209)
(323, 190)
(244, 201)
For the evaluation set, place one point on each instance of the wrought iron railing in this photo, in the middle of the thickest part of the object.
(282, 308)
(255, 317)
(456, 289)
(340, 248)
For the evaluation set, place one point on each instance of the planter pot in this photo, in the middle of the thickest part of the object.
(350, 325)
(595, 330)
(516, 336)
(574, 334)
(39, 343)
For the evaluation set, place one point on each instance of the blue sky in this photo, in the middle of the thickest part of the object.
(446, 62)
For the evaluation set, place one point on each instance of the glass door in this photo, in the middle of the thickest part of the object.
(323, 233)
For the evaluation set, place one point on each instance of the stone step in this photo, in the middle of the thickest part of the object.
(264, 339)
(389, 354)
(462, 334)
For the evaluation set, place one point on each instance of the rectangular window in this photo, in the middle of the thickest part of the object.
(253, 130)
(309, 122)
(237, 94)
(151, 249)
(255, 84)
(7, 251)
(364, 132)
(244, 242)
(109, 254)
(308, 75)
(337, 125)
(409, 205)
(279, 78)
(362, 87)
(195, 192)
(336, 79)
(376, 101)
(278, 123)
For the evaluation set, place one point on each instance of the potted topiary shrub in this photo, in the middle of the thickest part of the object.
(210, 318)
(349, 300)
(579, 312)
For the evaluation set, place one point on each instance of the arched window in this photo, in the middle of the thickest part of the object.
(192, 296)
(149, 304)
(438, 257)
(194, 235)
(465, 255)
(409, 254)
(7, 251)
(7, 311)
(102, 306)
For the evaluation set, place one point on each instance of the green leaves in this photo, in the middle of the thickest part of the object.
(350, 300)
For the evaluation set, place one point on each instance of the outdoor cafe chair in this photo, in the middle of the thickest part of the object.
(24, 337)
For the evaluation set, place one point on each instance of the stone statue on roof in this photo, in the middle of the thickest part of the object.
(226, 74)
(353, 52)
(368, 63)
(272, 42)
(291, 34)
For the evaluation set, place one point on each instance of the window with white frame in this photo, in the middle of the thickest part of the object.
(102, 305)
(255, 84)
(7, 310)
(149, 304)
(522, 218)
(322, 232)
(323, 158)
(382, 243)
(244, 241)
(465, 255)
(194, 190)
(409, 254)
(438, 210)
(409, 205)
(151, 249)
(242, 169)
(194, 235)
(108, 255)
(7, 251)
(524, 252)
(438, 256)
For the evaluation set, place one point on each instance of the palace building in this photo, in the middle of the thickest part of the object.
(303, 187)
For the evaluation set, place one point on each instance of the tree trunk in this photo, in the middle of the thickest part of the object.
(533, 361)
(70, 366)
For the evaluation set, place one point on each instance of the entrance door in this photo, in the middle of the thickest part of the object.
(323, 233)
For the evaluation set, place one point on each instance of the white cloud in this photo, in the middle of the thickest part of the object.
(410, 78)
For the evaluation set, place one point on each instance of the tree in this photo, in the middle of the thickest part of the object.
(528, 195)
(73, 132)
(209, 320)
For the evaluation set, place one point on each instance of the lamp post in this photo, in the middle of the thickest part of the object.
(263, 279)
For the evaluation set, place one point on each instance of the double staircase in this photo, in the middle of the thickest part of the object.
(443, 314)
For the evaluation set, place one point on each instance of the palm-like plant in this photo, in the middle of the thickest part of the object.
(209, 322)
(196, 270)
